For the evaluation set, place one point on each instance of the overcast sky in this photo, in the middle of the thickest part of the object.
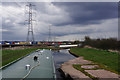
(68, 20)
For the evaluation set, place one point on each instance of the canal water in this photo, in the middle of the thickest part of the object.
(46, 69)
(60, 57)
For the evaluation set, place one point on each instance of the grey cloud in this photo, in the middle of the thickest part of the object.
(89, 12)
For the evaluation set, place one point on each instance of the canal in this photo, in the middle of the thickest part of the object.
(60, 57)
(45, 68)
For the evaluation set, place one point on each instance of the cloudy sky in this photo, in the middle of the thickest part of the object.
(68, 20)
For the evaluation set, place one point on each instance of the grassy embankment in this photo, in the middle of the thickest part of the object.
(11, 55)
(105, 59)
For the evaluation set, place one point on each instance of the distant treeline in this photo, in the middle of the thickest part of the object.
(106, 44)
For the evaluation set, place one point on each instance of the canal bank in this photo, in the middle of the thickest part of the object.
(79, 68)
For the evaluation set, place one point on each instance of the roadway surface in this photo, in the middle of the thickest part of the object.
(44, 70)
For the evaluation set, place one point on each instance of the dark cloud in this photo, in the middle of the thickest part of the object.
(85, 13)
(86, 31)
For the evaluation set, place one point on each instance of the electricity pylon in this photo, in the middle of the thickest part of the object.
(30, 34)
(49, 37)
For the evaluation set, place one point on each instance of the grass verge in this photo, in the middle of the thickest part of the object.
(108, 60)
